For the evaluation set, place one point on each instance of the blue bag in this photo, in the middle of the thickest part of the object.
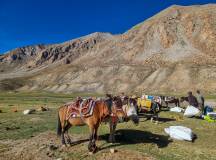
(207, 109)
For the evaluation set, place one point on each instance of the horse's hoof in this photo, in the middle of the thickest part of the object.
(112, 150)
(91, 153)
(69, 143)
(63, 147)
(95, 149)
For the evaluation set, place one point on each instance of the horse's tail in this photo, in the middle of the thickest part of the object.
(59, 127)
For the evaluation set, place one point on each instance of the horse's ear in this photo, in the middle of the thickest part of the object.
(109, 95)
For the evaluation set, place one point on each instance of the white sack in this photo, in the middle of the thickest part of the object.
(176, 109)
(28, 111)
(180, 133)
(191, 111)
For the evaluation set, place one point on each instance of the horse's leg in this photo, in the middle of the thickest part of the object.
(114, 128)
(152, 118)
(67, 127)
(64, 129)
(95, 137)
(91, 137)
(178, 103)
(156, 115)
(63, 138)
(112, 131)
(153, 112)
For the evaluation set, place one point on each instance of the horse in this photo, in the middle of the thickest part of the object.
(100, 112)
(130, 108)
(124, 105)
(182, 99)
(170, 100)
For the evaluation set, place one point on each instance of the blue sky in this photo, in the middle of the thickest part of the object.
(27, 22)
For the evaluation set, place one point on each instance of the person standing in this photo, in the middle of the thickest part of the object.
(192, 100)
(201, 101)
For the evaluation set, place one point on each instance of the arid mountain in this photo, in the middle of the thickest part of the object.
(174, 51)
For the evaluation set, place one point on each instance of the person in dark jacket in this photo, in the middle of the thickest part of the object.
(192, 100)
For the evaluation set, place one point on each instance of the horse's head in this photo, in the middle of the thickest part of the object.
(117, 108)
(133, 101)
(78, 101)
(130, 108)
(125, 100)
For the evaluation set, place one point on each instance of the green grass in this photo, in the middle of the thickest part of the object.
(25, 126)
(147, 138)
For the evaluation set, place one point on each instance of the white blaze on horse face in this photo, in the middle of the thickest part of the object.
(131, 111)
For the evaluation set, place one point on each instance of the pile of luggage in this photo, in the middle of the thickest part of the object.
(145, 103)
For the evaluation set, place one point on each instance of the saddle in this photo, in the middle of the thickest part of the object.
(80, 108)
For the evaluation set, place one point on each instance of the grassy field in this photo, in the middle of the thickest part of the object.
(145, 140)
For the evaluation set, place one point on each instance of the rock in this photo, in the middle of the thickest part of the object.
(112, 150)
(7, 128)
(53, 147)
(43, 108)
(91, 153)
(14, 110)
(62, 148)
(42, 147)
(11, 128)
(28, 111)
(50, 154)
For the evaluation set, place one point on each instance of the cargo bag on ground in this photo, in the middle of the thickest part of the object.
(180, 133)
(191, 111)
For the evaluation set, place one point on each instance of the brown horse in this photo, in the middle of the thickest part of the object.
(101, 112)
(122, 111)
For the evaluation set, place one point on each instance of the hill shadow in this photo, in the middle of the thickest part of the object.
(130, 136)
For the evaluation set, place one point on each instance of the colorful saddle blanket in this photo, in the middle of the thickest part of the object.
(81, 108)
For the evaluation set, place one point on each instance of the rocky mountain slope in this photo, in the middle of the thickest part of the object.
(173, 51)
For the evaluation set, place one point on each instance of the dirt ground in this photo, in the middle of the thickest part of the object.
(46, 146)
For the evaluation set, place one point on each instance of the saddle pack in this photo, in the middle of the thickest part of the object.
(80, 108)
